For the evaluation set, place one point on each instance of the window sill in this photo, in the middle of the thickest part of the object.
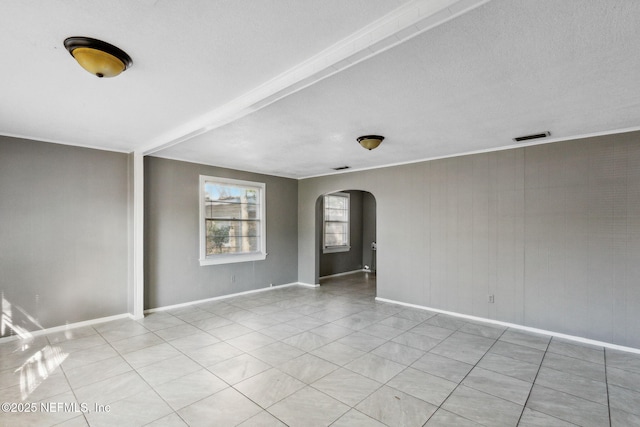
(230, 259)
(336, 249)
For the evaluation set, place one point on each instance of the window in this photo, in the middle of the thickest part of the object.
(232, 221)
(336, 223)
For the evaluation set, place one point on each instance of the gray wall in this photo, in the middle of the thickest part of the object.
(341, 262)
(64, 232)
(172, 271)
(553, 231)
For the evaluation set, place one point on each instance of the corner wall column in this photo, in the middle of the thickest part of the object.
(138, 235)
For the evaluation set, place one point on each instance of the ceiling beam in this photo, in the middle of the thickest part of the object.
(403, 23)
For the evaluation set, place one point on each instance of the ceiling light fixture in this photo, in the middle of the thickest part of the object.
(97, 57)
(370, 141)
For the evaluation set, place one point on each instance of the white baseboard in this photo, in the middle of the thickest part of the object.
(308, 285)
(346, 273)
(516, 326)
(67, 327)
(152, 310)
(221, 297)
(131, 316)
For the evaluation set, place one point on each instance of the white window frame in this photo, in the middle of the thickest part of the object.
(342, 248)
(217, 259)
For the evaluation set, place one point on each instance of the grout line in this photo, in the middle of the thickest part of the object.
(332, 296)
(534, 382)
(606, 381)
(467, 374)
(69, 382)
(175, 411)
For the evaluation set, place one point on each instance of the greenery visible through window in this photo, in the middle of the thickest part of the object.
(232, 220)
(336, 222)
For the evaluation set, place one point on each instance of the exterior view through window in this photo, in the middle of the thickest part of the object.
(336, 222)
(232, 220)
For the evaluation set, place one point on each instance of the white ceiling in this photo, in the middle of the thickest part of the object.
(285, 87)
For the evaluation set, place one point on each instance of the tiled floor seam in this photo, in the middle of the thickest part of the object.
(259, 405)
(73, 391)
(463, 378)
(353, 409)
(132, 368)
(606, 380)
(143, 379)
(320, 391)
(533, 384)
(204, 367)
(275, 367)
(354, 303)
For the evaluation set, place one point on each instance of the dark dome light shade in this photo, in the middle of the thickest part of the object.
(97, 57)
(370, 141)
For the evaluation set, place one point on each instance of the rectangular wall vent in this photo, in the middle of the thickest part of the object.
(341, 168)
(533, 136)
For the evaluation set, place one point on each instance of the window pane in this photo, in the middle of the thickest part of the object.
(336, 234)
(231, 220)
(336, 215)
(232, 236)
(230, 193)
(231, 210)
(336, 220)
(335, 240)
(235, 228)
(335, 202)
(250, 244)
(336, 227)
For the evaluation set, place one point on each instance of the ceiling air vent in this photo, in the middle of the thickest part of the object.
(533, 136)
(340, 168)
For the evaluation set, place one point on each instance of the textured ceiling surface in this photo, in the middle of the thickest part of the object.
(189, 58)
(502, 69)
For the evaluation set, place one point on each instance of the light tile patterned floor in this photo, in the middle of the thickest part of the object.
(314, 357)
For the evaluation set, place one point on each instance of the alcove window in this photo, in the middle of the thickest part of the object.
(336, 222)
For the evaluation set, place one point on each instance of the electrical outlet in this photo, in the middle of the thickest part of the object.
(491, 299)
(233, 278)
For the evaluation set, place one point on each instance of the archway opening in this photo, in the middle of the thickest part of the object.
(346, 239)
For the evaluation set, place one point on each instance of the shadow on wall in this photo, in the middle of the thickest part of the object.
(345, 232)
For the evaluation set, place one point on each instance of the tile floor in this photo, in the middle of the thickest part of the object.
(313, 357)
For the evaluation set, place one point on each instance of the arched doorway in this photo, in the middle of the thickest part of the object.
(346, 237)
